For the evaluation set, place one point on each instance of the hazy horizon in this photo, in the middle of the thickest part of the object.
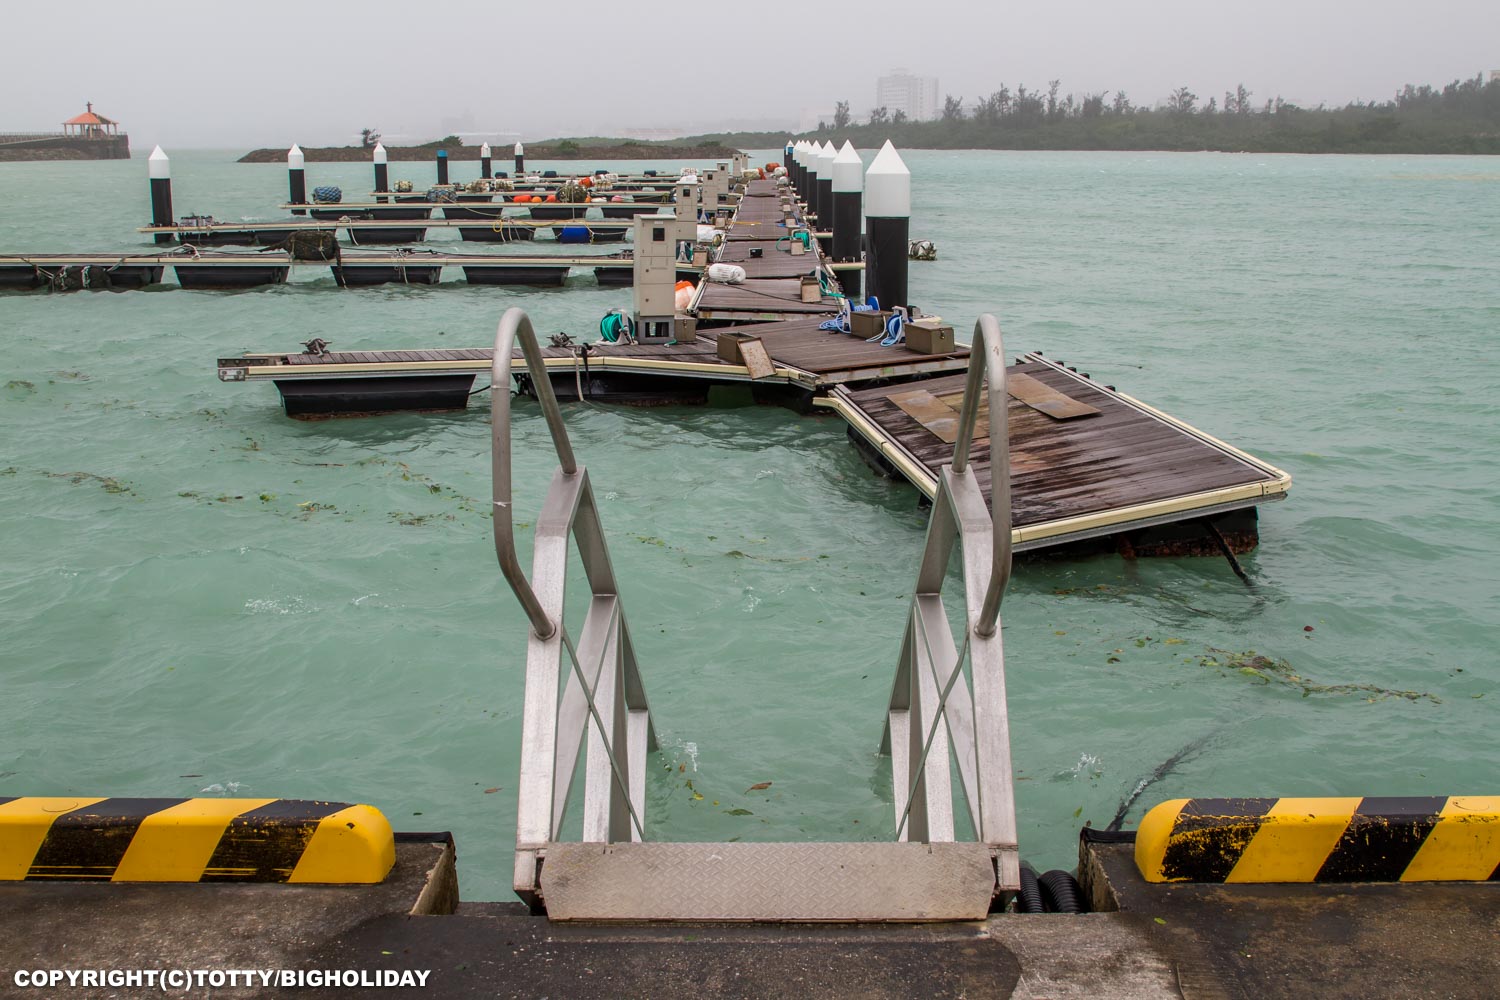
(196, 75)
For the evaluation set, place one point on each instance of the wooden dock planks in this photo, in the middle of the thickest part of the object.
(799, 343)
(796, 350)
(758, 296)
(1124, 459)
(772, 289)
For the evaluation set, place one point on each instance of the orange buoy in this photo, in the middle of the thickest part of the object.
(587, 182)
(552, 197)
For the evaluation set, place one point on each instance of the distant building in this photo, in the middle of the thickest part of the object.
(899, 90)
(812, 117)
(457, 124)
(1495, 76)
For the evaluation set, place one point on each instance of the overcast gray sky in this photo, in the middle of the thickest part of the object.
(271, 72)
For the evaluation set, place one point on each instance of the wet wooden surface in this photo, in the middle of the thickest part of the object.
(701, 352)
(800, 344)
(1067, 468)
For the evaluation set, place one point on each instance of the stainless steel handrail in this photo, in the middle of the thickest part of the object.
(516, 324)
(987, 366)
(937, 719)
(609, 751)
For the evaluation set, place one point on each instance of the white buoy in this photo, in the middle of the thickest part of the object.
(159, 166)
(888, 213)
(848, 185)
(382, 171)
(823, 196)
(296, 178)
(159, 170)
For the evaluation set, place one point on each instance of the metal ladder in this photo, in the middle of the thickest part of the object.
(936, 711)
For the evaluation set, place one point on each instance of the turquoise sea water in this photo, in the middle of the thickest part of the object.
(200, 596)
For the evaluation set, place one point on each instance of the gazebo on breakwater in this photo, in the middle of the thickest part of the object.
(89, 136)
(91, 125)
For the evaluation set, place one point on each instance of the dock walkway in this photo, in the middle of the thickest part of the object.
(772, 289)
(1123, 466)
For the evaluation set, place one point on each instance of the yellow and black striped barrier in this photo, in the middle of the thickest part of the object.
(1416, 839)
(193, 840)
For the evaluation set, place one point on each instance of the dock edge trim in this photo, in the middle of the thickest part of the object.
(99, 839)
(1324, 840)
(1084, 525)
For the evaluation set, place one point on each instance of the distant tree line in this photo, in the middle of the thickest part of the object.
(1462, 117)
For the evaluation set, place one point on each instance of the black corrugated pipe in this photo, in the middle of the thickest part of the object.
(1029, 899)
(1060, 892)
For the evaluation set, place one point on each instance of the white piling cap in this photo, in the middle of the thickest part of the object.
(294, 157)
(888, 186)
(520, 149)
(789, 144)
(379, 154)
(826, 156)
(158, 166)
(484, 150)
(848, 170)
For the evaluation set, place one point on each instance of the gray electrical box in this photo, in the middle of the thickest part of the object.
(715, 188)
(714, 185)
(661, 243)
(686, 198)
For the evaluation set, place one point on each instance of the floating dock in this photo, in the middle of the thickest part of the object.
(772, 289)
(1086, 461)
(482, 207)
(208, 269)
(621, 373)
(1123, 467)
(383, 232)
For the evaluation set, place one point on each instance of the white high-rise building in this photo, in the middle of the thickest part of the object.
(899, 90)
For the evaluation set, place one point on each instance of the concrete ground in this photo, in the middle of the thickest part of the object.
(1189, 942)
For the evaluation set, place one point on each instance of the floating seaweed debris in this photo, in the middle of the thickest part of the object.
(1266, 670)
(109, 483)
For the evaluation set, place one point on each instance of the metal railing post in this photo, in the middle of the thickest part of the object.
(515, 323)
(932, 689)
(987, 368)
(602, 703)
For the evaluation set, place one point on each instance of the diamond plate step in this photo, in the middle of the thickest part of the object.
(768, 882)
